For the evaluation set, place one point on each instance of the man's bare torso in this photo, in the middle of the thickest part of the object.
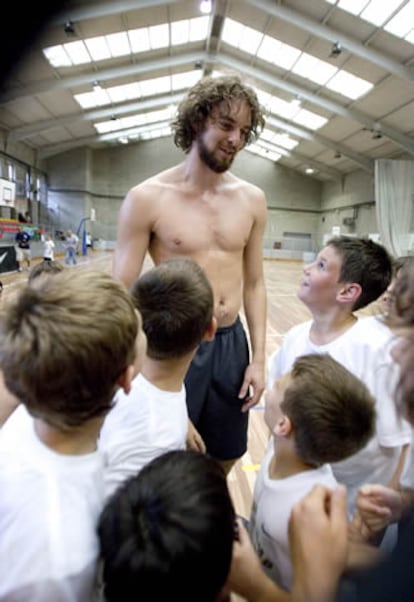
(211, 226)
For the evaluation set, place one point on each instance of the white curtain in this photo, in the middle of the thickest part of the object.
(394, 199)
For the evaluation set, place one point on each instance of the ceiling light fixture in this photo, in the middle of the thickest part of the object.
(336, 50)
(205, 6)
(68, 27)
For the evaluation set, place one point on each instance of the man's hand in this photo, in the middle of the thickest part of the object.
(253, 385)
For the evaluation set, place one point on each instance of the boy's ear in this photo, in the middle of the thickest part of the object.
(126, 378)
(283, 427)
(349, 292)
(211, 330)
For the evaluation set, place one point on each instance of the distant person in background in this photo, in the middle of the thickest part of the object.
(89, 239)
(71, 246)
(27, 218)
(22, 239)
(48, 248)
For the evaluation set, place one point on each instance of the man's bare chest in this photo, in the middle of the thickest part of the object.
(190, 227)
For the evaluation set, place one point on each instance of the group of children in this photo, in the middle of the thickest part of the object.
(107, 493)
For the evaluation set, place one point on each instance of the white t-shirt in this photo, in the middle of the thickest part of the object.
(365, 350)
(141, 426)
(48, 249)
(272, 504)
(49, 508)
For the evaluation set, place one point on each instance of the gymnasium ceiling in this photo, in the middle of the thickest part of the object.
(301, 55)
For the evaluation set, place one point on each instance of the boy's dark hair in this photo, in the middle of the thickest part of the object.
(45, 267)
(65, 341)
(331, 410)
(200, 101)
(175, 300)
(168, 531)
(365, 262)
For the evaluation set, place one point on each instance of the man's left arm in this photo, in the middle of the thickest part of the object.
(255, 306)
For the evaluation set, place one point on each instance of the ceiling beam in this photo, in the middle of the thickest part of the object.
(105, 9)
(89, 77)
(255, 73)
(274, 81)
(116, 111)
(333, 35)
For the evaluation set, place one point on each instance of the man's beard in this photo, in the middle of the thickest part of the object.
(209, 159)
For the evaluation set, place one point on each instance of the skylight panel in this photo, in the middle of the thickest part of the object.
(410, 36)
(310, 120)
(158, 85)
(279, 139)
(159, 36)
(353, 6)
(57, 56)
(232, 32)
(98, 48)
(181, 81)
(106, 126)
(180, 32)
(378, 11)
(314, 69)
(125, 92)
(277, 52)
(118, 43)
(349, 85)
(250, 40)
(199, 28)
(96, 98)
(267, 154)
(158, 132)
(285, 141)
(139, 39)
(77, 52)
(241, 36)
(273, 148)
(401, 25)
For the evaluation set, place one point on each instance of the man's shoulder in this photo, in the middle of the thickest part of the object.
(244, 185)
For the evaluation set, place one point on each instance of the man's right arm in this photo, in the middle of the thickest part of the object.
(133, 236)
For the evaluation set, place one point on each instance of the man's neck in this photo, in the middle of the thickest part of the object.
(77, 441)
(196, 173)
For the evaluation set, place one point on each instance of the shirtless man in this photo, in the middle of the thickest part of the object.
(198, 209)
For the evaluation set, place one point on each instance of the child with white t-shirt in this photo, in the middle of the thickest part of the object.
(348, 274)
(317, 414)
(64, 365)
(48, 248)
(175, 300)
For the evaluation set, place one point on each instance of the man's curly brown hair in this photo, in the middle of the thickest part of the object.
(209, 92)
